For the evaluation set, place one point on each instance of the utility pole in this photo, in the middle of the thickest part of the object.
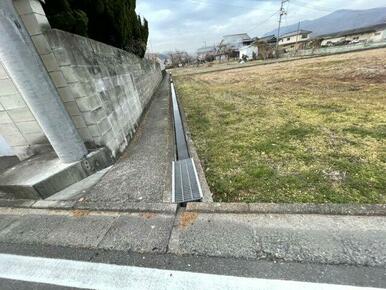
(297, 39)
(282, 13)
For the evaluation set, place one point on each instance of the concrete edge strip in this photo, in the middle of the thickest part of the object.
(205, 207)
(72, 213)
(70, 206)
(261, 208)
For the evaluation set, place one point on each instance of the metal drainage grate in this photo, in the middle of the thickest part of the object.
(186, 186)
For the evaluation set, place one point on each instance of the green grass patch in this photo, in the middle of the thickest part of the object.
(296, 133)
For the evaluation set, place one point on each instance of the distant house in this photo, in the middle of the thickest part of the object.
(294, 40)
(270, 39)
(250, 51)
(204, 53)
(265, 46)
(231, 44)
(374, 33)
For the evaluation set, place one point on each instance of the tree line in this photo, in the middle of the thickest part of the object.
(113, 22)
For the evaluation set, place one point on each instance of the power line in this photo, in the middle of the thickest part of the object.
(264, 21)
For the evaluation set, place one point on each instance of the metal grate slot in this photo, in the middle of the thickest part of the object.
(186, 186)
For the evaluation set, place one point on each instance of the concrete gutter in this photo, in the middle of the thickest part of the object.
(271, 208)
(207, 194)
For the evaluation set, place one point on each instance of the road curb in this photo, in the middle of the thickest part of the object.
(268, 208)
(130, 207)
(167, 208)
(206, 207)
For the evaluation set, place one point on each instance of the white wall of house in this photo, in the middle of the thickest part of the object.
(249, 51)
(363, 37)
(294, 39)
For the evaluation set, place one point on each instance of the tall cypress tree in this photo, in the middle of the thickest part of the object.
(114, 22)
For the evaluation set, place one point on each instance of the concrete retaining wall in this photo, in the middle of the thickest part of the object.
(104, 89)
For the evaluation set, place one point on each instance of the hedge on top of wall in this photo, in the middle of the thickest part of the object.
(114, 22)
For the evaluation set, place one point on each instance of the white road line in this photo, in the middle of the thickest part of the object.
(105, 276)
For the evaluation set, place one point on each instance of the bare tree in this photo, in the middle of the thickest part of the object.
(179, 58)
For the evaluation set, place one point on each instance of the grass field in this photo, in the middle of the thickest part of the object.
(305, 131)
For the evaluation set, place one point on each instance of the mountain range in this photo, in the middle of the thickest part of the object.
(339, 20)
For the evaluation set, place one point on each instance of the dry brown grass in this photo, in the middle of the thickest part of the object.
(311, 130)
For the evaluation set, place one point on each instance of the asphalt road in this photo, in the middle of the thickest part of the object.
(305, 272)
(93, 275)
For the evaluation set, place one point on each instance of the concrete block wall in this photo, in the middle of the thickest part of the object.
(18, 126)
(104, 89)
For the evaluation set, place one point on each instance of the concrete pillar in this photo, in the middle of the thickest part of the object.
(30, 76)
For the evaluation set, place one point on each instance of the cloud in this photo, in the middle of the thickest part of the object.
(201, 5)
(187, 24)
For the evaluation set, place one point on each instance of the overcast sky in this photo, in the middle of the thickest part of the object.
(189, 24)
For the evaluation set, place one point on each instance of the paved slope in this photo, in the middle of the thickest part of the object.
(143, 173)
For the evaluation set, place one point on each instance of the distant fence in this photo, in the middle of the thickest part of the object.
(336, 49)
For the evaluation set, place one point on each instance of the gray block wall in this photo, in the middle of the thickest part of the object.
(104, 89)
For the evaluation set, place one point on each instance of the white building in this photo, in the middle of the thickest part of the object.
(295, 40)
(250, 51)
(231, 44)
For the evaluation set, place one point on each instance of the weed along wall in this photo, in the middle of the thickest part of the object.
(104, 89)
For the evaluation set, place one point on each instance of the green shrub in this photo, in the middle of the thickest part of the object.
(114, 22)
